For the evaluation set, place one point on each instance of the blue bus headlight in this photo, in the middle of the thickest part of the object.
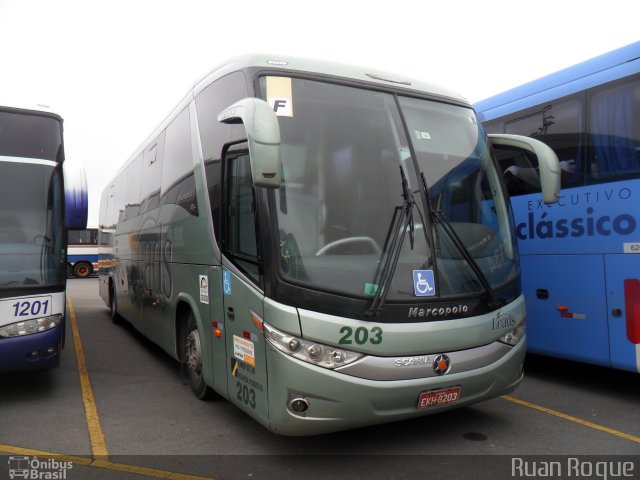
(312, 352)
(513, 336)
(28, 327)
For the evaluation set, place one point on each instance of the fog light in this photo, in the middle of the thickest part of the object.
(298, 405)
(52, 350)
(35, 354)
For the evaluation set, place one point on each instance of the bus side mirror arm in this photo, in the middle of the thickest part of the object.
(263, 135)
(547, 160)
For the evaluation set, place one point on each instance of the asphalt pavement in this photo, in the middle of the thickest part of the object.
(123, 412)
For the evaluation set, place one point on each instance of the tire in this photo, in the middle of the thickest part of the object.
(113, 307)
(192, 359)
(82, 270)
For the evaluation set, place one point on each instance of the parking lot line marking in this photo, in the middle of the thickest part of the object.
(96, 437)
(573, 419)
(101, 463)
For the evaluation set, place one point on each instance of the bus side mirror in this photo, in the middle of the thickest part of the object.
(547, 161)
(75, 195)
(263, 135)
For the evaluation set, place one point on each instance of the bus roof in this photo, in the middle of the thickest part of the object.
(590, 73)
(327, 69)
(286, 63)
(29, 107)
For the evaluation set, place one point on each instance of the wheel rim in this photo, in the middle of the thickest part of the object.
(83, 270)
(193, 351)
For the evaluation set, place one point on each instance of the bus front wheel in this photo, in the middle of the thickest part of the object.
(192, 348)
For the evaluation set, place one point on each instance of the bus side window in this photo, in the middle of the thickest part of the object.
(559, 125)
(614, 132)
(214, 135)
(520, 171)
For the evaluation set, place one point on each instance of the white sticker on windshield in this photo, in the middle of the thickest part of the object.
(280, 96)
(420, 135)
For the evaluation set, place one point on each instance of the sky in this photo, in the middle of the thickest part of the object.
(114, 69)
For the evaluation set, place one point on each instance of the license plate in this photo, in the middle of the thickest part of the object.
(438, 397)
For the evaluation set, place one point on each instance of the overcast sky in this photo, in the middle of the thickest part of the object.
(114, 69)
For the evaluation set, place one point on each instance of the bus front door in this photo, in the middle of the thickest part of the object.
(245, 345)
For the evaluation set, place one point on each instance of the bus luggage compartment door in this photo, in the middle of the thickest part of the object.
(570, 320)
(623, 276)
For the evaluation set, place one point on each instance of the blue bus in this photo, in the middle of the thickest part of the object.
(40, 196)
(580, 257)
(82, 252)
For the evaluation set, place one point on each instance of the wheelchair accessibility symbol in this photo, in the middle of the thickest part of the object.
(226, 282)
(423, 283)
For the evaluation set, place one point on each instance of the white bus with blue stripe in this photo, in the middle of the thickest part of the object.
(82, 252)
(35, 210)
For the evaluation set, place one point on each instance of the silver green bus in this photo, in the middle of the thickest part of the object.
(325, 246)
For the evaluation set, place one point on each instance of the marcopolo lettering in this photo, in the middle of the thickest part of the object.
(590, 225)
(416, 312)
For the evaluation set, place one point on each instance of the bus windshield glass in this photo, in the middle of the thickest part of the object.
(31, 223)
(30, 136)
(352, 159)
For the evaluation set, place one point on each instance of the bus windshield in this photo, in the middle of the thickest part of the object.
(351, 159)
(31, 223)
(31, 200)
(30, 135)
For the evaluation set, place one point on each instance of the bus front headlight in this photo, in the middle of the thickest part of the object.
(513, 336)
(27, 327)
(316, 353)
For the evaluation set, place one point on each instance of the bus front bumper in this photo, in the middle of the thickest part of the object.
(37, 351)
(337, 401)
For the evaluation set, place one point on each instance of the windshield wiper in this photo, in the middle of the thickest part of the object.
(441, 218)
(401, 220)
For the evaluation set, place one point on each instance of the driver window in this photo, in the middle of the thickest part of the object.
(240, 242)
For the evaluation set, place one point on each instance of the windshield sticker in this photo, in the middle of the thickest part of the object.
(280, 96)
(370, 289)
(204, 289)
(422, 135)
(423, 283)
(226, 282)
(405, 153)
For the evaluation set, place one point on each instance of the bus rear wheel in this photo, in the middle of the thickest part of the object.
(82, 270)
(113, 307)
(192, 352)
